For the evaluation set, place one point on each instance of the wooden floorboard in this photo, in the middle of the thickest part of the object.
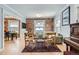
(15, 47)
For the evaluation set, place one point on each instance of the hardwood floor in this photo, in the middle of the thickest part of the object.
(15, 47)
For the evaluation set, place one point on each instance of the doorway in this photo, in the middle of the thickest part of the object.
(11, 28)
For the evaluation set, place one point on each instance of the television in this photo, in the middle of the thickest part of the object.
(24, 25)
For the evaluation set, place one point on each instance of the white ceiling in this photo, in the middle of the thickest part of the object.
(33, 10)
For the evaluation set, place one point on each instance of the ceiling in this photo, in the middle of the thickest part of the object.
(37, 10)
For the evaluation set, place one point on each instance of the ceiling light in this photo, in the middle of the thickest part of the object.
(38, 15)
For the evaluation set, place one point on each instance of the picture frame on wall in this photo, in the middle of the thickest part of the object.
(66, 16)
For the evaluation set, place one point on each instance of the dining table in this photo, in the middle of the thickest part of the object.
(13, 34)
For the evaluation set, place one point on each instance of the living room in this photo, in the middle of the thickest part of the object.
(43, 30)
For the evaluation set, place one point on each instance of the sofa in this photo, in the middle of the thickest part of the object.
(59, 39)
(54, 38)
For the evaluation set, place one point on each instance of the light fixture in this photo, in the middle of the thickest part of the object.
(38, 15)
(39, 24)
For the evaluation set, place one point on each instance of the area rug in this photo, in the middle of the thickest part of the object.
(42, 49)
(70, 53)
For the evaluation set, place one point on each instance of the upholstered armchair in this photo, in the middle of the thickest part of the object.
(59, 38)
(53, 38)
(48, 42)
(29, 41)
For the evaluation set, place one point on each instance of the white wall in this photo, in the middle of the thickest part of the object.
(65, 30)
(22, 29)
(1, 29)
(7, 12)
(57, 23)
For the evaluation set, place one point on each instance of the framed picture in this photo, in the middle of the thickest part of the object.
(66, 16)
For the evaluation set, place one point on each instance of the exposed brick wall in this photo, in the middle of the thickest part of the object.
(30, 25)
(49, 24)
(5, 25)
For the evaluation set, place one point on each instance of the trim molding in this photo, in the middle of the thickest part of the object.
(18, 13)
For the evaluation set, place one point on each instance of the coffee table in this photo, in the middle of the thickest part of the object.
(40, 42)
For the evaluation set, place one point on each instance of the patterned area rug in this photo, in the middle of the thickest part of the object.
(42, 49)
(70, 53)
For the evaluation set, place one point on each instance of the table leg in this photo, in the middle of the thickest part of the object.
(12, 37)
(8, 37)
(54, 40)
(66, 47)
